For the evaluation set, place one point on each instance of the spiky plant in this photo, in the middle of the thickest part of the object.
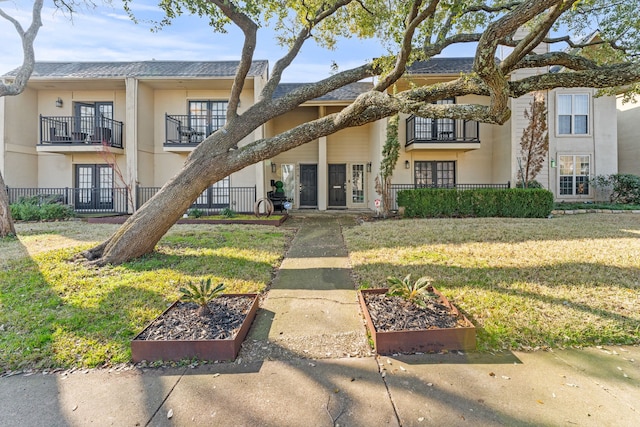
(416, 292)
(201, 294)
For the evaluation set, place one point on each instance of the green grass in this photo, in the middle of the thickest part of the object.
(600, 205)
(526, 283)
(56, 310)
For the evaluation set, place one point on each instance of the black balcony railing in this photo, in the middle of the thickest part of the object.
(398, 187)
(190, 129)
(83, 200)
(62, 130)
(425, 130)
(212, 200)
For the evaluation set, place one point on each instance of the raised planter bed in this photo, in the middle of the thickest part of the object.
(203, 349)
(462, 337)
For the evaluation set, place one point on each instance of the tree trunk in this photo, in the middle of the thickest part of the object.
(6, 222)
(144, 229)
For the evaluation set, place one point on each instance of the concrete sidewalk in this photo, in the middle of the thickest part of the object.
(298, 368)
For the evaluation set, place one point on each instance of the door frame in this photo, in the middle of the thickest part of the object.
(300, 185)
(333, 186)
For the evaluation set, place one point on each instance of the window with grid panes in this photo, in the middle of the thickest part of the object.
(435, 174)
(573, 114)
(574, 175)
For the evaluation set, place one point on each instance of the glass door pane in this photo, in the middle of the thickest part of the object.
(357, 183)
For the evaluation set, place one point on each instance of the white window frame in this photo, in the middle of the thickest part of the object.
(573, 175)
(573, 114)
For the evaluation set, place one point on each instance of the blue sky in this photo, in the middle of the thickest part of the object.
(107, 34)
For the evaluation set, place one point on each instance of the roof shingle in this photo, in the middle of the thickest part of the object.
(141, 69)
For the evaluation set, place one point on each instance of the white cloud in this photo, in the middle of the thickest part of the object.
(107, 34)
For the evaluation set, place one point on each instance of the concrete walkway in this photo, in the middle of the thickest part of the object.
(311, 309)
(293, 371)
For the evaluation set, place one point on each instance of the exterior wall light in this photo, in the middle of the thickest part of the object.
(553, 163)
(407, 164)
(273, 168)
(369, 167)
(59, 102)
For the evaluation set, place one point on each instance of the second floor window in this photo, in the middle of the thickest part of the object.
(92, 115)
(573, 114)
(207, 117)
(435, 129)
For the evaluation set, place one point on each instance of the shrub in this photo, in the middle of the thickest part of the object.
(228, 213)
(40, 208)
(53, 211)
(195, 213)
(623, 188)
(416, 292)
(530, 184)
(201, 294)
(485, 202)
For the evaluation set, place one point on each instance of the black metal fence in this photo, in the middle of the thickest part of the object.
(82, 200)
(80, 130)
(190, 129)
(398, 187)
(426, 130)
(212, 200)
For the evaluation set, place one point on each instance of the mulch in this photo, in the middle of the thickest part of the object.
(393, 313)
(181, 321)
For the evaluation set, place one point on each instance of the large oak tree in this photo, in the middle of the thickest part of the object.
(16, 87)
(410, 30)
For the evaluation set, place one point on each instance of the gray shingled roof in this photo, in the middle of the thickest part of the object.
(345, 93)
(442, 66)
(141, 69)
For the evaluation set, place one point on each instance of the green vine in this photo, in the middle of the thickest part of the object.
(390, 154)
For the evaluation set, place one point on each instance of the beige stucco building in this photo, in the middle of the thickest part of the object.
(105, 136)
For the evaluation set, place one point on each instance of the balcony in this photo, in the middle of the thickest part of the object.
(185, 132)
(442, 134)
(68, 134)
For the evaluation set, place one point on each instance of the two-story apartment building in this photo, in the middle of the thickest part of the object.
(107, 135)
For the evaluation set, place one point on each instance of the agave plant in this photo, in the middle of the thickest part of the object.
(415, 292)
(201, 294)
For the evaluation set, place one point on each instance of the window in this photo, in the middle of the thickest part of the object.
(206, 117)
(573, 114)
(574, 175)
(289, 180)
(92, 116)
(435, 174)
(357, 183)
(94, 187)
(435, 129)
(216, 196)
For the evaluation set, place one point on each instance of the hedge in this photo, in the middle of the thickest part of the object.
(485, 202)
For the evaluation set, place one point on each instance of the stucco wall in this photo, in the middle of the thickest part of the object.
(628, 137)
(20, 136)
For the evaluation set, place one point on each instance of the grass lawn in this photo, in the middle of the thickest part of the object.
(56, 310)
(526, 283)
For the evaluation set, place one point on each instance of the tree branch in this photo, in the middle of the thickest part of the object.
(573, 62)
(600, 77)
(535, 36)
(250, 30)
(304, 34)
(28, 37)
(413, 20)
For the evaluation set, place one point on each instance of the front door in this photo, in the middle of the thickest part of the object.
(308, 186)
(338, 186)
(94, 187)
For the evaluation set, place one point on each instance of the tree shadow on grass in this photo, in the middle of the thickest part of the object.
(599, 305)
(60, 328)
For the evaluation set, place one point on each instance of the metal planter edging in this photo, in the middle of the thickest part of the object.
(175, 350)
(424, 340)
